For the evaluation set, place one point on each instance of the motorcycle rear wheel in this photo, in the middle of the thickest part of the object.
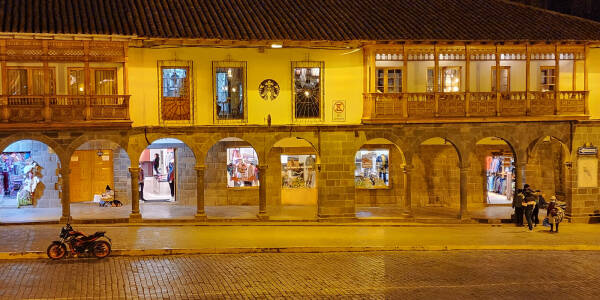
(56, 251)
(101, 249)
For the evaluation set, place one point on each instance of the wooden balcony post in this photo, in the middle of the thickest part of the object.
(586, 105)
(5, 111)
(88, 107)
(527, 79)
(498, 94)
(47, 110)
(125, 71)
(574, 83)
(372, 70)
(467, 78)
(556, 80)
(404, 98)
(436, 74)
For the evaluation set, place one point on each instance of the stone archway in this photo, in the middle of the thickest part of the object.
(292, 192)
(231, 180)
(93, 165)
(31, 180)
(548, 167)
(169, 188)
(380, 179)
(436, 179)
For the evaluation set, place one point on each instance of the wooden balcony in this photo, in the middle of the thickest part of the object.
(474, 106)
(62, 111)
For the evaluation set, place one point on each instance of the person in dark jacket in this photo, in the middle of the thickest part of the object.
(529, 204)
(156, 163)
(517, 204)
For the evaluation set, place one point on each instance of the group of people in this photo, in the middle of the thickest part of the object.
(528, 202)
(156, 168)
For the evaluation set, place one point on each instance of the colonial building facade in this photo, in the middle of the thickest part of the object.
(292, 110)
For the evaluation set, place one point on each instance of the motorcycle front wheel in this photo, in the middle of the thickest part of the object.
(101, 249)
(56, 251)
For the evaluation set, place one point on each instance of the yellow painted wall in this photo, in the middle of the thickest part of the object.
(593, 81)
(343, 80)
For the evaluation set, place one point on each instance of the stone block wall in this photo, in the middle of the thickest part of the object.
(336, 178)
(215, 179)
(121, 163)
(186, 176)
(545, 170)
(436, 177)
(584, 202)
(46, 195)
(394, 195)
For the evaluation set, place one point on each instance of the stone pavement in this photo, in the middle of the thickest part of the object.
(374, 275)
(161, 211)
(31, 240)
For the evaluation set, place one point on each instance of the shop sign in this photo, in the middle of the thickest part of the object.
(587, 150)
(339, 110)
(268, 89)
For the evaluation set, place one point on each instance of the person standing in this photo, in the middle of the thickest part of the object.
(518, 206)
(554, 214)
(171, 179)
(156, 163)
(141, 183)
(529, 204)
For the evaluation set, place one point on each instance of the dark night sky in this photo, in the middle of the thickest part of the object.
(589, 9)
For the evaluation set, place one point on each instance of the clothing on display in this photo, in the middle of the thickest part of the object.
(500, 178)
(242, 167)
(297, 171)
(372, 168)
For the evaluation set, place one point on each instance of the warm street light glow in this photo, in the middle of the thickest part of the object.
(276, 46)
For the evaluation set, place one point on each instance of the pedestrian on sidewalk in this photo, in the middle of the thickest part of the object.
(553, 214)
(539, 199)
(141, 182)
(529, 204)
(517, 204)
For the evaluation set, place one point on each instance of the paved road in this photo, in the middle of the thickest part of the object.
(398, 275)
(37, 237)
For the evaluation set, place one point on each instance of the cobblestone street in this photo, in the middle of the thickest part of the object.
(399, 275)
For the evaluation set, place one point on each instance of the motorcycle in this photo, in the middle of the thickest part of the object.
(75, 243)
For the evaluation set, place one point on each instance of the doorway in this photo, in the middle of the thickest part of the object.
(91, 172)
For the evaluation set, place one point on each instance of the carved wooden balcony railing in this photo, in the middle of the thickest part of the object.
(394, 107)
(64, 108)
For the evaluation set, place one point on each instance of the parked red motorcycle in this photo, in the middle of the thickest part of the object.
(75, 243)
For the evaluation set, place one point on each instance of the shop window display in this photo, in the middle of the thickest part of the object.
(500, 178)
(242, 167)
(20, 176)
(372, 169)
(298, 171)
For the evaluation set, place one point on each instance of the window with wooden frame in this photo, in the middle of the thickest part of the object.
(307, 84)
(389, 80)
(175, 91)
(448, 79)
(76, 81)
(547, 78)
(504, 79)
(30, 81)
(229, 90)
(104, 81)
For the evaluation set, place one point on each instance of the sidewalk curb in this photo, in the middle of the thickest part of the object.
(249, 250)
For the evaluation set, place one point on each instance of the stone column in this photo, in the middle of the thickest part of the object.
(520, 175)
(464, 173)
(200, 213)
(135, 215)
(408, 191)
(262, 192)
(65, 200)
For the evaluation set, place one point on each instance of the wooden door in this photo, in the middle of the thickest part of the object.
(90, 173)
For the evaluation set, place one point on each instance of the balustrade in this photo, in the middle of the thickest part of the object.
(64, 108)
(401, 106)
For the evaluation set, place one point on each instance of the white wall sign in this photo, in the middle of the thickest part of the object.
(587, 171)
(339, 110)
